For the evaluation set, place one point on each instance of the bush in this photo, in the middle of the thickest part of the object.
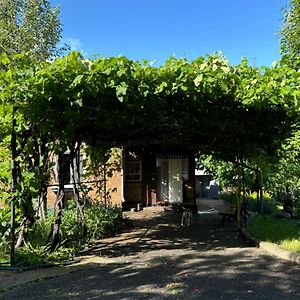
(100, 221)
(39, 233)
(32, 256)
(4, 229)
(103, 222)
(252, 203)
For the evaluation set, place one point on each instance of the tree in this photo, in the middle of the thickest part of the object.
(29, 26)
(290, 31)
(33, 28)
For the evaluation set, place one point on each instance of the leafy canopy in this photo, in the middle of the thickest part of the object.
(203, 105)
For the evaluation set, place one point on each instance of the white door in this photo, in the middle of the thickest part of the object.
(175, 180)
(170, 180)
(163, 179)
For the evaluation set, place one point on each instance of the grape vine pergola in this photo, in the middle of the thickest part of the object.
(206, 106)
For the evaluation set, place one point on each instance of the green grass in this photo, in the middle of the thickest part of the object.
(4, 257)
(284, 232)
(291, 245)
(29, 256)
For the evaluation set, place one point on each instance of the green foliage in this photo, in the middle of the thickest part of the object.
(290, 31)
(203, 105)
(225, 173)
(269, 203)
(4, 257)
(100, 166)
(283, 176)
(5, 226)
(101, 222)
(284, 232)
(296, 195)
(29, 26)
(198, 100)
(32, 256)
(292, 245)
(39, 233)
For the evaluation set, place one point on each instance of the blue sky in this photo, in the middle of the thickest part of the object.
(157, 29)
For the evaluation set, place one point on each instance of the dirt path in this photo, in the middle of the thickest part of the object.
(162, 260)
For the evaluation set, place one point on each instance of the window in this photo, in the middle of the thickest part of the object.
(133, 171)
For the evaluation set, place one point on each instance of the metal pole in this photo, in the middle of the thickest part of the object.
(13, 145)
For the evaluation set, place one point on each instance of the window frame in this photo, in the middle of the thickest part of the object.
(133, 173)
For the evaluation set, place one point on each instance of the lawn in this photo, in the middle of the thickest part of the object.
(284, 232)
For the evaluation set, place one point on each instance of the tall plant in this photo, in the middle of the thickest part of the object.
(29, 26)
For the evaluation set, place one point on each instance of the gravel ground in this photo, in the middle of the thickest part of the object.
(159, 259)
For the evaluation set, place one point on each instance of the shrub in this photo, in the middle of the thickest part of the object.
(252, 203)
(4, 229)
(101, 222)
(30, 256)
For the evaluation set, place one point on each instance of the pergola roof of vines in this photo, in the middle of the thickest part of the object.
(204, 105)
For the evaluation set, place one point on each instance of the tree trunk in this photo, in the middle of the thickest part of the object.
(75, 156)
(55, 234)
(25, 224)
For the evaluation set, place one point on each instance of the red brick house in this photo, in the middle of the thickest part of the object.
(151, 178)
(147, 178)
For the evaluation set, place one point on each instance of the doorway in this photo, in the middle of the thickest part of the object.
(170, 175)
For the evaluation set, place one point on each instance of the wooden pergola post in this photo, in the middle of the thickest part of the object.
(238, 198)
(14, 178)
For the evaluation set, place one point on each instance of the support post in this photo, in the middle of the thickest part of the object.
(261, 197)
(14, 176)
(244, 195)
(238, 199)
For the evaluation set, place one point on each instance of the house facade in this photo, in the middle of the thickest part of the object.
(144, 178)
(153, 178)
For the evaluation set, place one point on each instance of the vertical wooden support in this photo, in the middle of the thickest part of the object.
(244, 212)
(257, 188)
(261, 193)
(14, 175)
(238, 198)
(193, 177)
(105, 184)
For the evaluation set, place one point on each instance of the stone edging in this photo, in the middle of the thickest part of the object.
(271, 248)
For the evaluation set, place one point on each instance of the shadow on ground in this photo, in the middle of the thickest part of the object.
(162, 231)
(161, 260)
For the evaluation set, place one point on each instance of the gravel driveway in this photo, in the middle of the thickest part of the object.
(159, 259)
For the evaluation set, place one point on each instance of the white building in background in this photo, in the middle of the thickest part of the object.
(206, 186)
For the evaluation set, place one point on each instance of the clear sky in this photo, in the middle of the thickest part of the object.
(157, 29)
